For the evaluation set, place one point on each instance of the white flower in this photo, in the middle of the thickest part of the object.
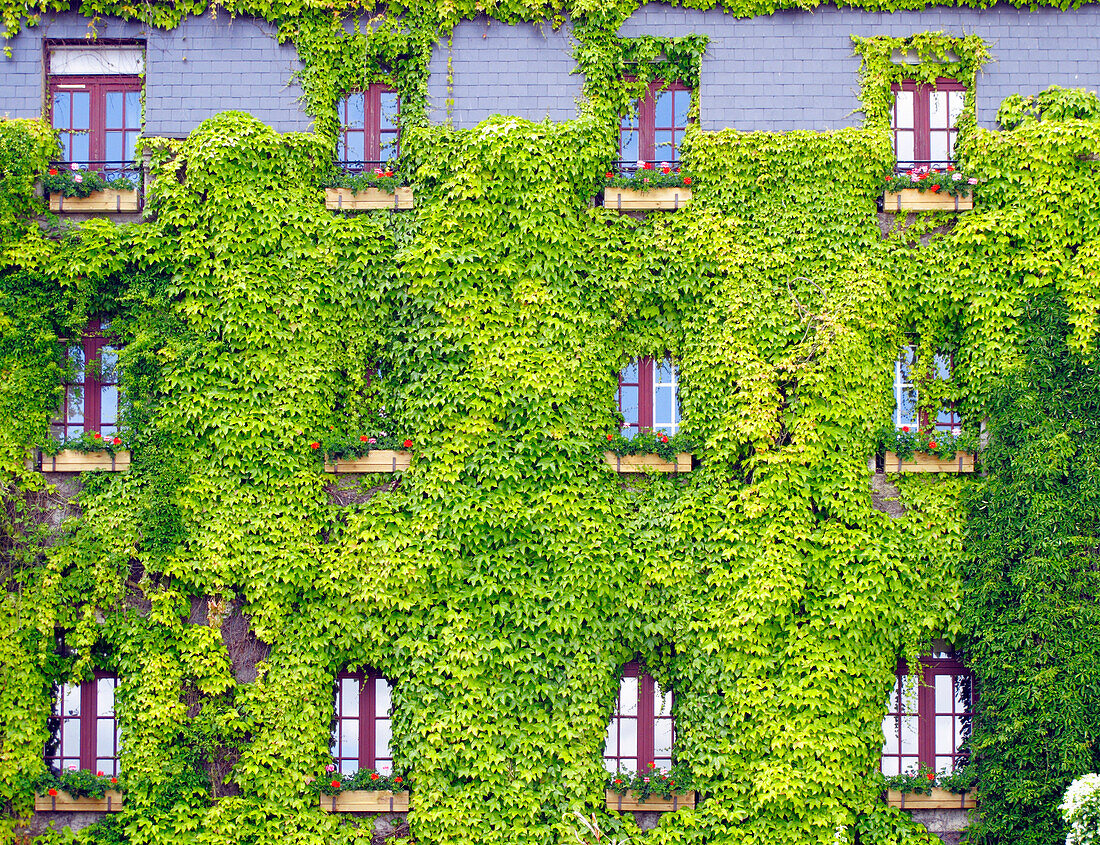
(955, 177)
(74, 166)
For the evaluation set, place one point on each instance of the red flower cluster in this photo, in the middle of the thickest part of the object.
(52, 791)
(336, 784)
(407, 444)
(398, 779)
(53, 171)
(315, 446)
(115, 441)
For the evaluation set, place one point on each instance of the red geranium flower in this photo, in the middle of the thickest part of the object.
(652, 765)
(950, 168)
(363, 438)
(931, 444)
(618, 781)
(335, 784)
(52, 791)
(53, 171)
(931, 776)
(647, 165)
(666, 169)
(388, 173)
(374, 776)
(934, 188)
(114, 780)
(115, 441)
(609, 438)
(97, 436)
(407, 444)
(609, 175)
(687, 180)
(315, 446)
(398, 780)
(664, 438)
(905, 428)
(99, 774)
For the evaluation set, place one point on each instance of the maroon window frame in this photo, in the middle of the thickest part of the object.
(369, 130)
(96, 120)
(637, 397)
(361, 728)
(639, 733)
(930, 727)
(922, 122)
(91, 399)
(87, 730)
(656, 129)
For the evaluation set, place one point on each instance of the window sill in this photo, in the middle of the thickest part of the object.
(65, 803)
(365, 801)
(656, 199)
(378, 460)
(913, 200)
(923, 462)
(647, 463)
(940, 799)
(107, 201)
(70, 460)
(630, 803)
(342, 199)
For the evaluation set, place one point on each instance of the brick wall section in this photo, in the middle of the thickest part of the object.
(796, 70)
(202, 67)
(525, 70)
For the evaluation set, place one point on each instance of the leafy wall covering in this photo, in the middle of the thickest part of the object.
(504, 579)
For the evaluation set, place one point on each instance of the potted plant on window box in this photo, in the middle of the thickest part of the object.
(650, 188)
(650, 790)
(926, 790)
(379, 452)
(91, 451)
(924, 189)
(73, 189)
(367, 191)
(367, 791)
(77, 790)
(907, 450)
(648, 451)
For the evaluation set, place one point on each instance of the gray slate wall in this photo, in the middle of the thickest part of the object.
(202, 67)
(796, 70)
(525, 70)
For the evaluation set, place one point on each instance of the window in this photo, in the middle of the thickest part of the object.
(905, 394)
(87, 733)
(928, 716)
(368, 126)
(925, 122)
(647, 396)
(91, 397)
(640, 731)
(361, 730)
(656, 129)
(95, 103)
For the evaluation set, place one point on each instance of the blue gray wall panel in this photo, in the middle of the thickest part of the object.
(202, 67)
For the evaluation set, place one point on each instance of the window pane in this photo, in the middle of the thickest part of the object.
(81, 109)
(382, 735)
(939, 151)
(62, 114)
(107, 765)
(74, 404)
(662, 739)
(112, 110)
(354, 112)
(70, 742)
(890, 735)
(133, 111)
(113, 147)
(903, 110)
(628, 697)
(664, 145)
(945, 693)
(349, 739)
(388, 107)
(903, 147)
(349, 697)
(955, 100)
(105, 737)
(937, 110)
(909, 735)
(663, 110)
(681, 105)
(381, 697)
(105, 696)
(70, 700)
(129, 148)
(611, 742)
(946, 730)
(628, 743)
(628, 405)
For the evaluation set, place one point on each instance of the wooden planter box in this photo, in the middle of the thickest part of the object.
(923, 462)
(98, 202)
(70, 460)
(647, 463)
(630, 803)
(379, 460)
(365, 801)
(911, 199)
(655, 199)
(940, 799)
(63, 802)
(342, 199)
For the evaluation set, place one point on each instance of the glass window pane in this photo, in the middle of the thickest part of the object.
(955, 100)
(349, 697)
(382, 734)
(112, 149)
(129, 151)
(937, 110)
(945, 734)
(681, 105)
(70, 700)
(628, 143)
(890, 766)
(662, 704)
(107, 765)
(664, 145)
(662, 738)
(78, 149)
(628, 405)
(628, 741)
(108, 408)
(349, 738)
(663, 109)
(105, 737)
(105, 696)
(112, 110)
(81, 111)
(903, 110)
(381, 697)
(62, 114)
(907, 407)
(70, 742)
(938, 151)
(903, 147)
(611, 741)
(909, 734)
(354, 113)
(628, 697)
(890, 735)
(133, 111)
(388, 110)
(945, 693)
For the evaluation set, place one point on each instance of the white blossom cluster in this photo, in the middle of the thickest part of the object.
(1081, 810)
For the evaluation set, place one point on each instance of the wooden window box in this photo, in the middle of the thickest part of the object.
(911, 199)
(923, 462)
(378, 460)
(630, 803)
(647, 463)
(655, 199)
(940, 799)
(70, 460)
(365, 801)
(63, 802)
(108, 201)
(342, 199)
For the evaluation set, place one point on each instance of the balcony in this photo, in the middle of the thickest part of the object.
(366, 186)
(94, 187)
(646, 186)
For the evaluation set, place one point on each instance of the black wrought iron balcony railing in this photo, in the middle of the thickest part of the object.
(629, 168)
(927, 164)
(356, 167)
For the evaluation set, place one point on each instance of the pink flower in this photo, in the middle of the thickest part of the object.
(646, 180)
(330, 768)
(99, 774)
(378, 171)
(372, 440)
(645, 780)
(972, 181)
(955, 177)
(78, 178)
(72, 768)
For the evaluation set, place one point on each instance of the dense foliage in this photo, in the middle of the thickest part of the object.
(503, 580)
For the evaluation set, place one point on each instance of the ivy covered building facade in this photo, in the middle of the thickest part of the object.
(533, 424)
